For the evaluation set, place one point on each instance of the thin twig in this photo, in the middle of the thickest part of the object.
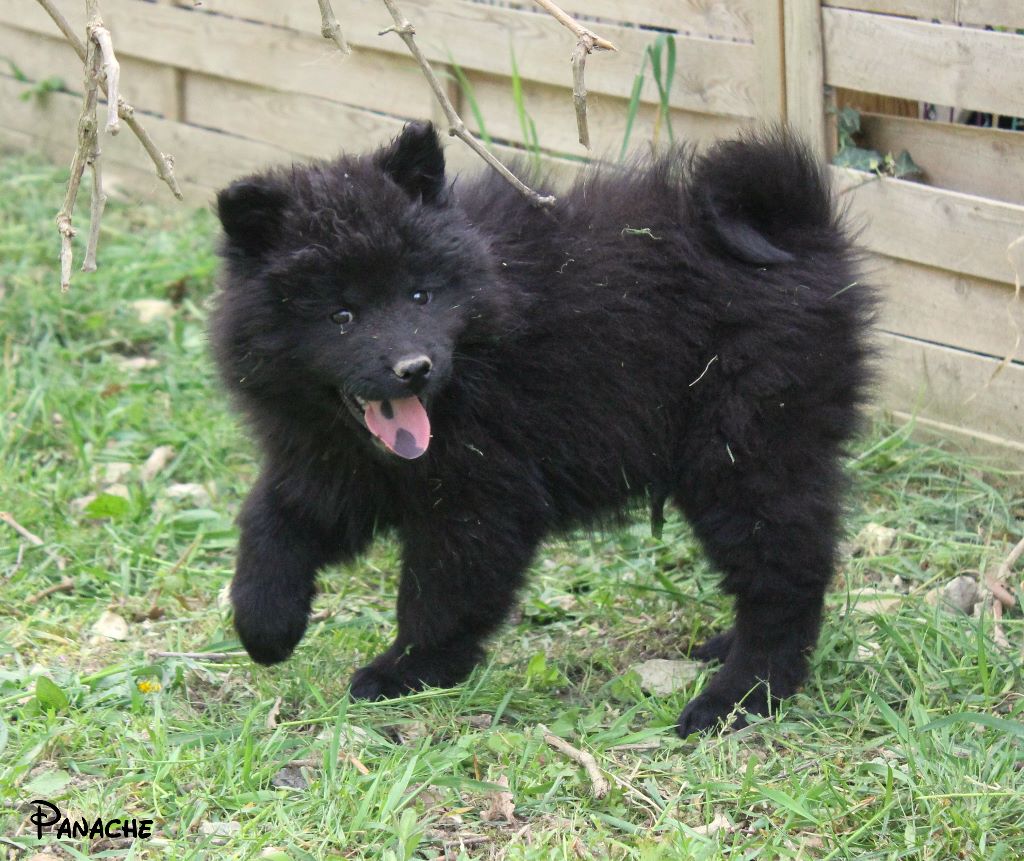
(111, 72)
(330, 29)
(83, 149)
(1003, 574)
(587, 41)
(1001, 598)
(212, 657)
(599, 785)
(163, 162)
(30, 537)
(98, 199)
(456, 127)
(65, 585)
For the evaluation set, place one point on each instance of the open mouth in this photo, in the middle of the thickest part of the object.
(400, 425)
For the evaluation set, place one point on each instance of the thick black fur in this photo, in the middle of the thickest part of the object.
(690, 328)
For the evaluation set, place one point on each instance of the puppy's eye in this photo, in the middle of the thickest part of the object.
(343, 317)
(421, 297)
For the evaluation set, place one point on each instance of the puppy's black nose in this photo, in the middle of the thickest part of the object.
(413, 370)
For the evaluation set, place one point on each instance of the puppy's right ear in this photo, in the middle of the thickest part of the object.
(251, 210)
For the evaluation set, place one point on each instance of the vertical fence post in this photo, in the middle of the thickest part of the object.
(805, 71)
(766, 23)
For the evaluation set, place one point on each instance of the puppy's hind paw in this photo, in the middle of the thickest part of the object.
(715, 648)
(374, 683)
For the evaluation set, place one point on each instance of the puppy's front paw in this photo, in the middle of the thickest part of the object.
(269, 633)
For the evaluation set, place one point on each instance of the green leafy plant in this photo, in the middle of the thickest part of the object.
(856, 157)
(664, 74)
(38, 90)
(468, 93)
(526, 123)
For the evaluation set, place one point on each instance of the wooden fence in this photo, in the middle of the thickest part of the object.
(230, 85)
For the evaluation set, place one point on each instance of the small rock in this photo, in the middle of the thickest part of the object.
(289, 777)
(114, 472)
(662, 677)
(194, 494)
(118, 490)
(157, 460)
(136, 363)
(873, 540)
(220, 829)
(82, 502)
(960, 594)
(112, 626)
(149, 310)
(502, 807)
(719, 823)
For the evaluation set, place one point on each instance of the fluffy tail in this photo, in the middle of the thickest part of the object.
(761, 196)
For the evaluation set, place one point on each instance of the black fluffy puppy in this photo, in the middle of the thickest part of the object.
(449, 363)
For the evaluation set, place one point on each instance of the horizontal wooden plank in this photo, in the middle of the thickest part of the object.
(303, 125)
(730, 19)
(944, 229)
(713, 75)
(990, 448)
(148, 86)
(993, 13)
(310, 127)
(202, 157)
(941, 63)
(951, 386)
(207, 159)
(984, 162)
(552, 110)
(250, 52)
(121, 181)
(955, 310)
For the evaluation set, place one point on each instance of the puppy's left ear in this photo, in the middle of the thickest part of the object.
(251, 211)
(415, 161)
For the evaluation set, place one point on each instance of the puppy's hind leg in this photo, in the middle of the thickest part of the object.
(773, 537)
(458, 583)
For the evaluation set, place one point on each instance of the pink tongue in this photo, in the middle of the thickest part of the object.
(402, 425)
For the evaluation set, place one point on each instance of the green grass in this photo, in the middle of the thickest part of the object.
(908, 741)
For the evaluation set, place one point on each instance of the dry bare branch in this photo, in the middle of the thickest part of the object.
(163, 162)
(65, 585)
(587, 41)
(330, 29)
(456, 127)
(84, 148)
(212, 657)
(1003, 574)
(30, 537)
(111, 73)
(598, 783)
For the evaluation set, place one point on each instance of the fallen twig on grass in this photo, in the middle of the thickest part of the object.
(456, 127)
(30, 537)
(213, 657)
(1002, 598)
(587, 42)
(598, 784)
(65, 585)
